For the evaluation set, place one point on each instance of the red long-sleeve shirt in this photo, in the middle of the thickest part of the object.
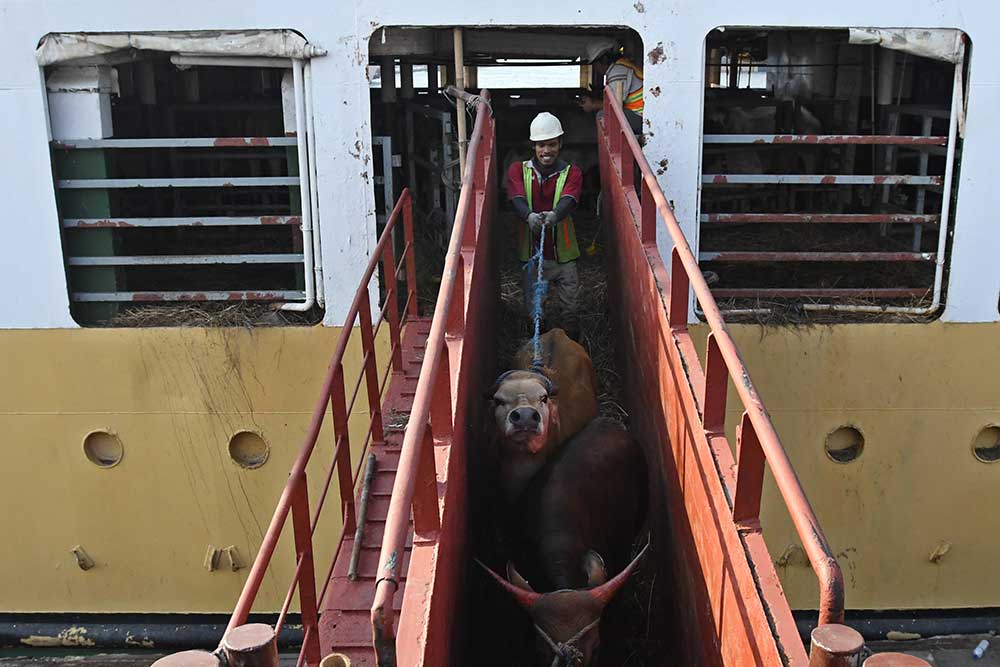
(543, 190)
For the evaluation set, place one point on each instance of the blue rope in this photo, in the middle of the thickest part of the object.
(539, 292)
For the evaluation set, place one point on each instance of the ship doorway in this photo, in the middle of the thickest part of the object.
(415, 139)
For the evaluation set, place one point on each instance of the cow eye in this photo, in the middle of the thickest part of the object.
(498, 400)
(545, 399)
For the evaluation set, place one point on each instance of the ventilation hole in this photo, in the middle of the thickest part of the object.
(336, 660)
(248, 449)
(103, 449)
(844, 444)
(986, 446)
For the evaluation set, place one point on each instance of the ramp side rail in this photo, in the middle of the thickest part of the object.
(294, 498)
(433, 417)
(758, 443)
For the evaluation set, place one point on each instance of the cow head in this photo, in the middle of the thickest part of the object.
(567, 621)
(525, 409)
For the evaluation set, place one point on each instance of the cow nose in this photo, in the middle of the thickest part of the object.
(525, 416)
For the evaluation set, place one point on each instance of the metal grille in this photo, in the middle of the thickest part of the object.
(181, 219)
(824, 241)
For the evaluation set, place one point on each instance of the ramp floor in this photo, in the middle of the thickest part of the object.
(345, 621)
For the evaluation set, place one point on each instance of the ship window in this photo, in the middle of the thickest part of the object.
(827, 171)
(178, 180)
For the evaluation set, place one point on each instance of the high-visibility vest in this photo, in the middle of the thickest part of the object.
(566, 247)
(633, 98)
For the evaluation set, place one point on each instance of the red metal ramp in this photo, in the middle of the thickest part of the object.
(345, 620)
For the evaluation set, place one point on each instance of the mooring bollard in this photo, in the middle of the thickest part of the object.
(835, 645)
(188, 659)
(895, 660)
(251, 645)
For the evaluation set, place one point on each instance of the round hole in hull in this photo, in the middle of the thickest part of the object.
(248, 449)
(844, 444)
(103, 448)
(986, 446)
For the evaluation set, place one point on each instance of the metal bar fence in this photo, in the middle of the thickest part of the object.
(432, 413)
(294, 497)
(759, 444)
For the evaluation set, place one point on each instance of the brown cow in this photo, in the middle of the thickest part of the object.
(537, 409)
(586, 503)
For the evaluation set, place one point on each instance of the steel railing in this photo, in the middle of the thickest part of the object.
(333, 396)
(758, 442)
(433, 410)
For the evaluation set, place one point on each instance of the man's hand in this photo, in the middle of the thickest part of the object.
(590, 104)
(550, 217)
(535, 221)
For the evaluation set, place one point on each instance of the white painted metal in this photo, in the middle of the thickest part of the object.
(190, 142)
(145, 297)
(33, 289)
(307, 231)
(164, 260)
(220, 221)
(314, 189)
(100, 183)
(228, 61)
(80, 102)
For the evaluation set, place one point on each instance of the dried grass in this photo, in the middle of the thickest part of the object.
(243, 314)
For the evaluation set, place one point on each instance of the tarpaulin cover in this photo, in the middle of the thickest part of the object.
(66, 47)
(940, 43)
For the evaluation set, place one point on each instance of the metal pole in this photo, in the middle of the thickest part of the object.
(460, 107)
(359, 532)
(835, 645)
(251, 645)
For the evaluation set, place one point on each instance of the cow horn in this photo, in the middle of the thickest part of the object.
(526, 599)
(607, 590)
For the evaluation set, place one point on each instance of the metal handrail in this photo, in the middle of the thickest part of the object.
(758, 442)
(433, 403)
(294, 496)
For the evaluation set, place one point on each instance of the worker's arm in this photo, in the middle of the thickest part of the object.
(520, 205)
(570, 195)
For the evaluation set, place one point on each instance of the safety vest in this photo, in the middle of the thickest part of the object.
(566, 247)
(633, 98)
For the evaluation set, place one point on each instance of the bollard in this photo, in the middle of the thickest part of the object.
(895, 660)
(188, 659)
(835, 645)
(251, 645)
(336, 660)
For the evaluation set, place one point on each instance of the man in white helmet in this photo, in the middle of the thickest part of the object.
(544, 191)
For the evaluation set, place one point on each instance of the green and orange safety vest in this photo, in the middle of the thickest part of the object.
(565, 243)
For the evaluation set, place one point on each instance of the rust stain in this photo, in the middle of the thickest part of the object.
(828, 180)
(662, 166)
(639, 7)
(657, 56)
(655, 91)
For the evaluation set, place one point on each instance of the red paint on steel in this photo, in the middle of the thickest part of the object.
(835, 139)
(430, 480)
(835, 645)
(735, 595)
(820, 218)
(251, 645)
(294, 497)
(820, 292)
(281, 220)
(740, 256)
(240, 142)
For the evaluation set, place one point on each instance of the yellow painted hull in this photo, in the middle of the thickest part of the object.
(174, 397)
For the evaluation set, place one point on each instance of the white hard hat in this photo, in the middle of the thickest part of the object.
(598, 47)
(545, 127)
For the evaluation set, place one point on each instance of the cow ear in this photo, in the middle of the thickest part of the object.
(593, 564)
(515, 578)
